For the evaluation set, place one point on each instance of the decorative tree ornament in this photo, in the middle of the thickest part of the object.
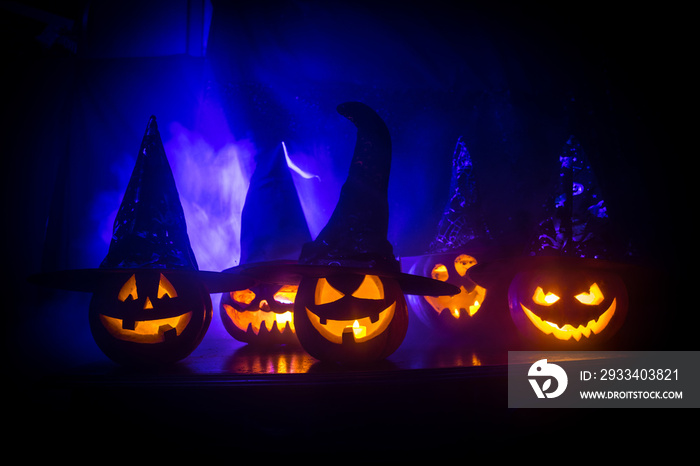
(569, 291)
(150, 303)
(273, 227)
(462, 240)
(350, 304)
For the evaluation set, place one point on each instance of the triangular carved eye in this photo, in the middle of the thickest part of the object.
(243, 296)
(325, 293)
(165, 288)
(440, 272)
(544, 299)
(463, 262)
(370, 288)
(593, 297)
(286, 295)
(128, 290)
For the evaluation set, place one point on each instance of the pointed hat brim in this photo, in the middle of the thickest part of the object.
(291, 272)
(90, 280)
(354, 239)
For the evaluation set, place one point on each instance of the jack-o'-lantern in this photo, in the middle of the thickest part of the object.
(262, 315)
(569, 290)
(462, 240)
(273, 227)
(351, 317)
(572, 305)
(350, 305)
(149, 316)
(448, 312)
(150, 302)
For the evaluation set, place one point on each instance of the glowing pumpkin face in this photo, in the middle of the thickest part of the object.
(452, 313)
(262, 315)
(149, 317)
(571, 306)
(350, 318)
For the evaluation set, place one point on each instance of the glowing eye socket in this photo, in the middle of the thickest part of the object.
(128, 290)
(440, 273)
(165, 288)
(242, 296)
(593, 297)
(325, 293)
(544, 299)
(370, 288)
(463, 262)
(286, 294)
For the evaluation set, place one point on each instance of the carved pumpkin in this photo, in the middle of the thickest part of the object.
(273, 228)
(569, 289)
(453, 313)
(150, 302)
(262, 315)
(149, 316)
(575, 306)
(350, 317)
(350, 305)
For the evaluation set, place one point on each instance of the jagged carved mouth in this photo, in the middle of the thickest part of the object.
(358, 330)
(146, 331)
(256, 320)
(568, 331)
(466, 303)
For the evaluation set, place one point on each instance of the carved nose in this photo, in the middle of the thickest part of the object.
(148, 304)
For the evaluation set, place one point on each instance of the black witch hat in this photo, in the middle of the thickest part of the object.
(576, 229)
(576, 219)
(355, 238)
(149, 230)
(273, 225)
(462, 223)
